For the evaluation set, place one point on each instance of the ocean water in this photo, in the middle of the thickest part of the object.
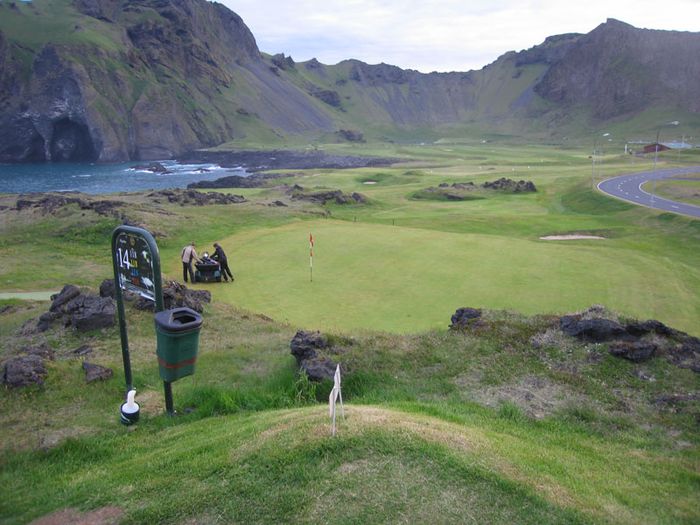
(104, 178)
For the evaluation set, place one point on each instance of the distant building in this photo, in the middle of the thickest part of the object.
(653, 148)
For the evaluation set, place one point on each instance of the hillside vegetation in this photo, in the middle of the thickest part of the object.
(508, 420)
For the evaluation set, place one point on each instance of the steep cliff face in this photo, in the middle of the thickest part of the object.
(618, 70)
(134, 80)
(111, 80)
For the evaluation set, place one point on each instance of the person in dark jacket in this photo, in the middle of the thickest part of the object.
(220, 256)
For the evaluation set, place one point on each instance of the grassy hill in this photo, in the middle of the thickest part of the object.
(510, 422)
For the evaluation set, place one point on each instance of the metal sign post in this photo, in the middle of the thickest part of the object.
(136, 263)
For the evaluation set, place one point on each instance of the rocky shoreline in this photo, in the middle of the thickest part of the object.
(255, 161)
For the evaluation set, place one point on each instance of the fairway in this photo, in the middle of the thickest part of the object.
(397, 279)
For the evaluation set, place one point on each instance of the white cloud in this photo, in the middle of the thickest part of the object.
(443, 35)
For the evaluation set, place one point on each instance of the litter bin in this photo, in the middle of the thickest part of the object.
(177, 335)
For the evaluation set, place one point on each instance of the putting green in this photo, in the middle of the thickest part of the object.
(369, 276)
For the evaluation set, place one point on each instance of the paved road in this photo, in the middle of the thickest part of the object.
(629, 188)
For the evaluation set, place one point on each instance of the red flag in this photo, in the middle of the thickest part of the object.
(311, 257)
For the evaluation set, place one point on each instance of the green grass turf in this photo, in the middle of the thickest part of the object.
(385, 466)
(371, 276)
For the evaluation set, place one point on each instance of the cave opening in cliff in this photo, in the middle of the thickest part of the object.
(71, 142)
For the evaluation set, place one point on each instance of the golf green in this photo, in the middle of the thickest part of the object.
(397, 279)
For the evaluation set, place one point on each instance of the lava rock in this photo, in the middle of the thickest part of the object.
(24, 371)
(95, 372)
(318, 369)
(465, 317)
(93, 313)
(107, 288)
(304, 345)
(635, 351)
(68, 293)
(176, 295)
(591, 330)
(639, 329)
(510, 185)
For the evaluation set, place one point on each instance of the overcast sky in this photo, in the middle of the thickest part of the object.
(446, 35)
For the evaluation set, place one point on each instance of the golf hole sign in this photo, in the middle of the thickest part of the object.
(133, 259)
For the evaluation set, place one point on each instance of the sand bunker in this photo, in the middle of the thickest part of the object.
(370, 182)
(569, 237)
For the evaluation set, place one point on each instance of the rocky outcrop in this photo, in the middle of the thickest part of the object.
(236, 181)
(465, 318)
(636, 341)
(322, 197)
(28, 368)
(24, 371)
(176, 295)
(510, 186)
(83, 311)
(255, 161)
(350, 135)
(305, 347)
(94, 372)
(618, 69)
(196, 198)
(50, 203)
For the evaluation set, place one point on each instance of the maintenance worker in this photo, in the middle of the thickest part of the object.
(188, 254)
(220, 256)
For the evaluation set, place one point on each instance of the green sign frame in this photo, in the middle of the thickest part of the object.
(136, 264)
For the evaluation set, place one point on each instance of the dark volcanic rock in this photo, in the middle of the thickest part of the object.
(153, 167)
(95, 372)
(24, 371)
(283, 62)
(81, 310)
(176, 295)
(635, 351)
(236, 181)
(319, 368)
(304, 346)
(254, 161)
(322, 197)
(350, 135)
(330, 97)
(465, 318)
(510, 185)
(93, 313)
(107, 288)
(197, 198)
(67, 294)
(647, 327)
(591, 330)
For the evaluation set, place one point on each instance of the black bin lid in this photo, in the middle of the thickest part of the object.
(178, 319)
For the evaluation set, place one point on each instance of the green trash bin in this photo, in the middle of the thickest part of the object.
(177, 335)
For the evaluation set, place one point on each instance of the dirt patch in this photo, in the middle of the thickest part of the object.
(569, 237)
(537, 396)
(103, 516)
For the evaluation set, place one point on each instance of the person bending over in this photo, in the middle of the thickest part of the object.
(220, 256)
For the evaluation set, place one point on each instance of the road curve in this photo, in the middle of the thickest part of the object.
(629, 188)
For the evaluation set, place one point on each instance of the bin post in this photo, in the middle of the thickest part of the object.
(168, 388)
